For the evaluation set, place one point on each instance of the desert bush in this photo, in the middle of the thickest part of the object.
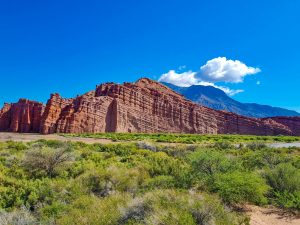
(285, 182)
(184, 138)
(136, 210)
(18, 146)
(159, 182)
(178, 151)
(47, 161)
(210, 162)
(256, 145)
(17, 217)
(222, 145)
(93, 210)
(122, 183)
(175, 207)
(287, 199)
(108, 181)
(284, 177)
(266, 158)
(239, 187)
(146, 145)
(161, 164)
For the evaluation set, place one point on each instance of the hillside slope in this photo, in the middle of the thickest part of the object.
(217, 99)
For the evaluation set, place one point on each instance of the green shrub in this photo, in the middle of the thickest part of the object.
(47, 161)
(288, 200)
(174, 207)
(222, 145)
(124, 184)
(256, 145)
(209, 163)
(106, 182)
(285, 181)
(284, 177)
(19, 146)
(158, 182)
(239, 187)
(266, 158)
(93, 210)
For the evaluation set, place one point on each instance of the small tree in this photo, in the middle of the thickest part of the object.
(47, 161)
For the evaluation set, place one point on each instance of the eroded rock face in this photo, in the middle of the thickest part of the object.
(23, 116)
(144, 106)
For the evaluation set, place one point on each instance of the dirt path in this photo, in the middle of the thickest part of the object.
(27, 137)
(270, 216)
(34, 137)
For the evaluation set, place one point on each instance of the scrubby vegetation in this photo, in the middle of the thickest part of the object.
(51, 182)
(187, 138)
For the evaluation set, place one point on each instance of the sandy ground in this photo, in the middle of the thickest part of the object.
(271, 216)
(34, 137)
(6, 136)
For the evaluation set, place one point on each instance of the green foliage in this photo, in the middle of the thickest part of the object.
(46, 160)
(210, 162)
(186, 138)
(163, 182)
(53, 182)
(256, 145)
(18, 146)
(285, 181)
(223, 174)
(93, 210)
(288, 200)
(239, 187)
(284, 177)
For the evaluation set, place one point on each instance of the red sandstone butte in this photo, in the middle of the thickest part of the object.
(144, 106)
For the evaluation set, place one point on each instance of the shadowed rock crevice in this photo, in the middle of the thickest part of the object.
(111, 118)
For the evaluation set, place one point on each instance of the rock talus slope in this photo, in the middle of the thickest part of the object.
(144, 106)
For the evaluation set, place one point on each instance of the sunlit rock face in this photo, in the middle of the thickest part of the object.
(23, 116)
(144, 106)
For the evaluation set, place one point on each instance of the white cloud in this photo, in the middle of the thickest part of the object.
(216, 70)
(222, 69)
(184, 79)
(187, 79)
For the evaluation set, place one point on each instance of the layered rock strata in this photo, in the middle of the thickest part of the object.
(144, 106)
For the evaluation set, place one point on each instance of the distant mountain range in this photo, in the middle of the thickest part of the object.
(217, 99)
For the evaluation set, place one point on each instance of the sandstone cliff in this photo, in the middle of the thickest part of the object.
(144, 106)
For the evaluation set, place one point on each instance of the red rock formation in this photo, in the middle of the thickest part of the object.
(23, 116)
(144, 106)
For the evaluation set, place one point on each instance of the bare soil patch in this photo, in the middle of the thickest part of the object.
(271, 216)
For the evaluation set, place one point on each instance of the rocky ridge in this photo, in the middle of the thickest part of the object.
(144, 106)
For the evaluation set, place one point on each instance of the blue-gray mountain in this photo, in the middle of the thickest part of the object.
(217, 99)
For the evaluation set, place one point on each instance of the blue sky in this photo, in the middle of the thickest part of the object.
(70, 46)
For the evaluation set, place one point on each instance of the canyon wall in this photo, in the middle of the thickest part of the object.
(145, 106)
(24, 116)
